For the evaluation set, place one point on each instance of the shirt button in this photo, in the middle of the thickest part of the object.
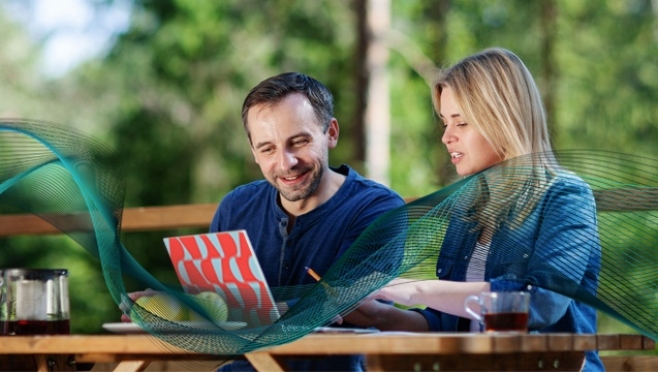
(530, 288)
(438, 271)
(286, 267)
(525, 255)
(466, 257)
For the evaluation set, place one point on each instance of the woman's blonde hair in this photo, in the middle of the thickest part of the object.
(496, 95)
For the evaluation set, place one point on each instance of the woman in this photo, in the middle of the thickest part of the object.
(528, 225)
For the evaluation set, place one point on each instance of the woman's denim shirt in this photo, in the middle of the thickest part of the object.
(556, 249)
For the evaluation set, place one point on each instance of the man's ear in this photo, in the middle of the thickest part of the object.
(332, 133)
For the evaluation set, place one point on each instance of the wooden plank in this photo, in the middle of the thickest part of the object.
(626, 199)
(200, 215)
(534, 342)
(628, 342)
(169, 217)
(264, 361)
(585, 342)
(411, 343)
(560, 342)
(555, 351)
(507, 343)
(630, 363)
(48, 363)
(560, 361)
(132, 365)
(42, 364)
(81, 344)
(133, 219)
(608, 341)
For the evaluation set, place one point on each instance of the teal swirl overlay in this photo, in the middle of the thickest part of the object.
(69, 180)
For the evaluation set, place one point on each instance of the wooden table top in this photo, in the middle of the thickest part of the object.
(383, 351)
(319, 344)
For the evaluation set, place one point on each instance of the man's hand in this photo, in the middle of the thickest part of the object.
(367, 313)
(125, 307)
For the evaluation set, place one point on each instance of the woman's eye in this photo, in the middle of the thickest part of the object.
(462, 124)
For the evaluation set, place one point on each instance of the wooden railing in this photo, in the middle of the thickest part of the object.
(133, 219)
(200, 215)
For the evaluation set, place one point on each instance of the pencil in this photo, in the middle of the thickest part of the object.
(317, 277)
(312, 273)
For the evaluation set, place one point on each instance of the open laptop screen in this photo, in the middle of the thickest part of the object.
(224, 262)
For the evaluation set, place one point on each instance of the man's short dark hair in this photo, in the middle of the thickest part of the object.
(276, 88)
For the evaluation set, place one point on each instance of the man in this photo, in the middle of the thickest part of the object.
(305, 213)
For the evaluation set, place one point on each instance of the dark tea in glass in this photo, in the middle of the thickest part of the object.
(506, 322)
(34, 301)
(500, 311)
(35, 327)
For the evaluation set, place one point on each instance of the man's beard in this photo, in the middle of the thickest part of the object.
(295, 195)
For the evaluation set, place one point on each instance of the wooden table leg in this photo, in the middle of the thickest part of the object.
(47, 363)
(264, 361)
(132, 365)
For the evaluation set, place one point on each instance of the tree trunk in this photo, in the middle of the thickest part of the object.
(438, 11)
(361, 78)
(549, 73)
(378, 118)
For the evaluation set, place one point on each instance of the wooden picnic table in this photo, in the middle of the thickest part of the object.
(383, 351)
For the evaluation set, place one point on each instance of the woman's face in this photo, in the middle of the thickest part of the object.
(469, 150)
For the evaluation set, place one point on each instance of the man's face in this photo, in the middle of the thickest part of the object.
(289, 146)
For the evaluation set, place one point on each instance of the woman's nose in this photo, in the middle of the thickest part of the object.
(448, 136)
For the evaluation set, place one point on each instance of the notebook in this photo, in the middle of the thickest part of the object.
(224, 262)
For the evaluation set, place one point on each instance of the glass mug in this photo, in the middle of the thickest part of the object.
(500, 311)
(34, 301)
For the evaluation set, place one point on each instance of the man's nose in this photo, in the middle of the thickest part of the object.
(287, 160)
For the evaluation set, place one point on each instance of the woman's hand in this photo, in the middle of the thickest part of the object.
(401, 291)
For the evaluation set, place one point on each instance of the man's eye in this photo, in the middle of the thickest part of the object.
(300, 143)
(266, 150)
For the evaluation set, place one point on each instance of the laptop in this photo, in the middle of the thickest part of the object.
(224, 262)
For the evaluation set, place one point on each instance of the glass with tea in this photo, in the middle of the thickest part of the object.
(500, 311)
(34, 301)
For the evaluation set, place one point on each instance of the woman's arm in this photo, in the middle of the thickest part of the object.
(442, 295)
(445, 296)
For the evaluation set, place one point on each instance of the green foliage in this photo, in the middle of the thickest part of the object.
(167, 97)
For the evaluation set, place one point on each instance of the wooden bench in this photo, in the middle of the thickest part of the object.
(200, 215)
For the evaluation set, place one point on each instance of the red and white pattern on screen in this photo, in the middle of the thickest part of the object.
(224, 262)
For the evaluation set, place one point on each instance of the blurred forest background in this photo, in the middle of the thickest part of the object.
(166, 95)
